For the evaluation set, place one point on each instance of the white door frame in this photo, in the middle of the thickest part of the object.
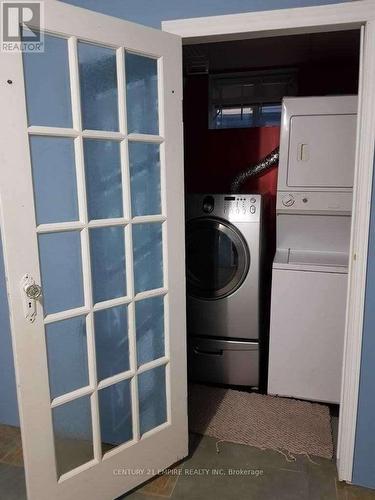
(334, 17)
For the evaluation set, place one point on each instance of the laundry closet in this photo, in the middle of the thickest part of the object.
(277, 329)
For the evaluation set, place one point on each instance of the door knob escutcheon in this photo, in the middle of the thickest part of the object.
(31, 292)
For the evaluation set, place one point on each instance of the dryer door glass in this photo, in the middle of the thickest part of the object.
(217, 258)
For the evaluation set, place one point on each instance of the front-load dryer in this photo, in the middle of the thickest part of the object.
(223, 250)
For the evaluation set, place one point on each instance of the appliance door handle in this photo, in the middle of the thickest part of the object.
(203, 352)
(303, 152)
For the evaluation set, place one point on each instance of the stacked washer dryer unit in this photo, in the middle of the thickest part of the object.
(223, 240)
(309, 278)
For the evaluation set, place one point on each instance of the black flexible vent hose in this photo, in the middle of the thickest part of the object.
(269, 161)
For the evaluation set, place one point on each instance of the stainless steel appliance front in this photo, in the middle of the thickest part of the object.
(223, 243)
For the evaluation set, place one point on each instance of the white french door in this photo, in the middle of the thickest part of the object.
(92, 212)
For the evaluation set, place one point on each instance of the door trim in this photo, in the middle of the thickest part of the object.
(335, 17)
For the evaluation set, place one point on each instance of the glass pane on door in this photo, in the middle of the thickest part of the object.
(73, 434)
(67, 355)
(108, 262)
(144, 161)
(103, 179)
(149, 321)
(111, 341)
(47, 84)
(115, 409)
(61, 269)
(152, 398)
(98, 80)
(142, 94)
(54, 179)
(148, 257)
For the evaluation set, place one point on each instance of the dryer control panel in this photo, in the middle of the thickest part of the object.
(231, 207)
(241, 207)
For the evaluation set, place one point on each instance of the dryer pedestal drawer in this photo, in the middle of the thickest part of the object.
(223, 361)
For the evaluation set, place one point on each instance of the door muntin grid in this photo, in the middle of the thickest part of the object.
(136, 386)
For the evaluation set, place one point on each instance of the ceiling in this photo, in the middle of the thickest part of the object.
(292, 50)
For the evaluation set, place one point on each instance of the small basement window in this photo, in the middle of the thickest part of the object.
(251, 99)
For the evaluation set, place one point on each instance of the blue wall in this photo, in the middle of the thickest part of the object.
(8, 398)
(152, 12)
(364, 455)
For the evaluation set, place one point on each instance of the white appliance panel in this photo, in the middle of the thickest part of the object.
(316, 202)
(314, 131)
(307, 334)
(314, 232)
(322, 151)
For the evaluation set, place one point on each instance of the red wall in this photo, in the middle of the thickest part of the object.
(219, 155)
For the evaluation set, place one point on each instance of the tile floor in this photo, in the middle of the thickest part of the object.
(236, 472)
(270, 477)
(10, 446)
